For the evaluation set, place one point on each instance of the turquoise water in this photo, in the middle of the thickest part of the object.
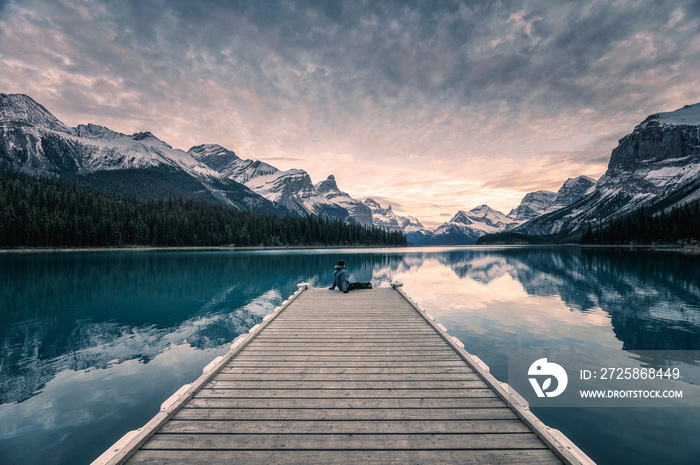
(92, 343)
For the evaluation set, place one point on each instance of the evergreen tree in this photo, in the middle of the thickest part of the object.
(679, 224)
(47, 212)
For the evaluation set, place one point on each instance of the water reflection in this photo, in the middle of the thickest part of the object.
(86, 311)
(75, 324)
(652, 297)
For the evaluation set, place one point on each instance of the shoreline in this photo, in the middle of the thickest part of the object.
(187, 248)
(687, 248)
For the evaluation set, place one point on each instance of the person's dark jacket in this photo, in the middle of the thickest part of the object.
(340, 278)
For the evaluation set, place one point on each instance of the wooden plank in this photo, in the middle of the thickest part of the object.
(302, 314)
(396, 328)
(342, 349)
(344, 441)
(342, 328)
(373, 320)
(378, 343)
(387, 309)
(402, 344)
(277, 426)
(368, 320)
(338, 378)
(348, 347)
(348, 371)
(368, 336)
(378, 334)
(343, 363)
(354, 322)
(355, 331)
(347, 393)
(495, 413)
(349, 352)
(344, 377)
(373, 331)
(320, 319)
(342, 339)
(320, 402)
(426, 358)
(349, 457)
(321, 385)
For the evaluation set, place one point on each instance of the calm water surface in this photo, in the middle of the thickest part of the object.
(92, 343)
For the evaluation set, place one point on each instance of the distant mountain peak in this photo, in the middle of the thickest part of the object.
(147, 138)
(387, 219)
(656, 166)
(532, 205)
(461, 217)
(209, 148)
(374, 205)
(214, 156)
(329, 185)
(24, 109)
(572, 190)
(467, 226)
(482, 213)
(95, 131)
(143, 135)
(482, 210)
(578, 179)
(371, 203)
(689, 115)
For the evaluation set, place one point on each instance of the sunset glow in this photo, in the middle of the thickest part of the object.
(430, 108)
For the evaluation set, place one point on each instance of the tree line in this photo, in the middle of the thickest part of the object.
(51, 212)
(679, 224)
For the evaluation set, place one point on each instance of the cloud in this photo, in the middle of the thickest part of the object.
(397, 99)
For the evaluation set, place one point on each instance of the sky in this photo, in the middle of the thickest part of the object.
(432, 107)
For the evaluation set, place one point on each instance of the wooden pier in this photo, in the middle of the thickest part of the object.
(345, 378)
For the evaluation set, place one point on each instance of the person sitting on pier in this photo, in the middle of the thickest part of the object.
(340, 280)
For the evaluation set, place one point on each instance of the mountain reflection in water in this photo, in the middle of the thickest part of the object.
(653, 298)
(111, 322)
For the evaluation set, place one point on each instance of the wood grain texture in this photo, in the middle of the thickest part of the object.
(349, 457)
(346, 378)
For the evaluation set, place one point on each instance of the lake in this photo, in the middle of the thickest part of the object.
(92, 343)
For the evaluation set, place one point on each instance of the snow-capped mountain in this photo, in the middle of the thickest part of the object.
(657, 166)
(34, 141)
(291, 189)
(533, 205)
(572, 191)
(19, 107)
(357, 210)
(387, 219)
(539, 203)
(141, 165)
(466, 227)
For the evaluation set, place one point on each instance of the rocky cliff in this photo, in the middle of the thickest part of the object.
(656, 166)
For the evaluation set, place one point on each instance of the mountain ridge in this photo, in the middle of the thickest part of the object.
(657, 166)
(389, 220)
(34, 141)
(292, 188)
